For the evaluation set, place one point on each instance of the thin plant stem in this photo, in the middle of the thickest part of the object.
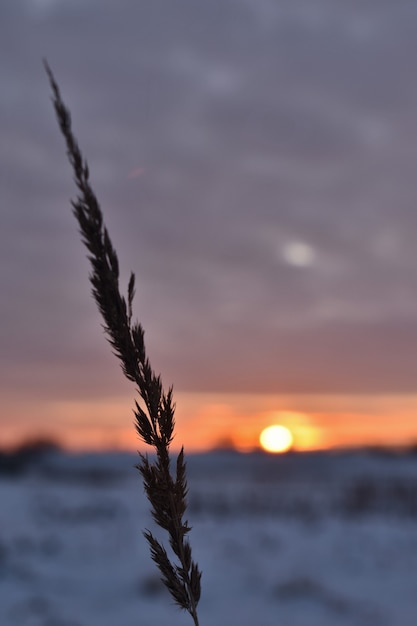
(154, 413)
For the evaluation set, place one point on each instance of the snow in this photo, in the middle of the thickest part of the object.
(300, 539)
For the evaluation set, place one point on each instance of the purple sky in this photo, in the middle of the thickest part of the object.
(256, 162)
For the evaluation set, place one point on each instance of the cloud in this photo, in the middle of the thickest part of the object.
(219, 137)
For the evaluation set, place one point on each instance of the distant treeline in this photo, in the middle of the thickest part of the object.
(21, 458)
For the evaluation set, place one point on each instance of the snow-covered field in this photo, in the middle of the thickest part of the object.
(297, 540)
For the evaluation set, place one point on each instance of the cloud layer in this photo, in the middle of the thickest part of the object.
(256, 164)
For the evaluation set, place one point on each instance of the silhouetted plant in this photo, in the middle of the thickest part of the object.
(166, 489)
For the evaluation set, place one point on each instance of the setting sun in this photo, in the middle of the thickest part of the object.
(276, 438)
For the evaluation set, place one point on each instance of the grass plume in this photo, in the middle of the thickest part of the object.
(166, 488)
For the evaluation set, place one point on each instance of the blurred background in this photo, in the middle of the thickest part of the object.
(256, 165)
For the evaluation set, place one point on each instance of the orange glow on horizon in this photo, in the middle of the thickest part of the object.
(205, 421)
(306, 435)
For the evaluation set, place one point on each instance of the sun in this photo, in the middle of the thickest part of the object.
(276, 438)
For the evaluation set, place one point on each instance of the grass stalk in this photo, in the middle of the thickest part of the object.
(165, 488)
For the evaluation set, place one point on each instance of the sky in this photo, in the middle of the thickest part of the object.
(256, 163)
